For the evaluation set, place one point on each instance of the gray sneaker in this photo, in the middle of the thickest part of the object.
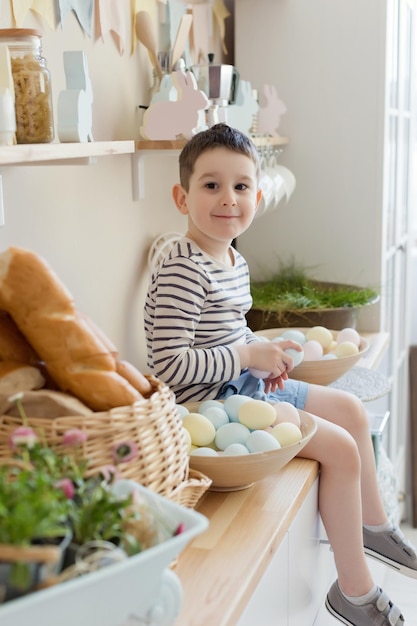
(377, 612)
(393, 549)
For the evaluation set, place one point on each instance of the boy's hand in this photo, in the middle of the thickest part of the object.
(272, 384)
(269, 356)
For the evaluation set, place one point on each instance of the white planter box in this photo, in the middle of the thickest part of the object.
(141, 588)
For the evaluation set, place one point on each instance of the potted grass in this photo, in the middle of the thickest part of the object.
(290, 298)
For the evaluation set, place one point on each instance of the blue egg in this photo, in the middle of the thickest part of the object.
(261, 441)
(209, 403)
(217, 415)
(231, 433)
(294, 335)
(232, 405)
(297, 356)
(182, 410)
(235, 449)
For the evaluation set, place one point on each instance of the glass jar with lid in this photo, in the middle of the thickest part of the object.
(32, 85)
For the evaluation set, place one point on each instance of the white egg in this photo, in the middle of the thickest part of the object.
(261, 441)
(349, 334)
(328, 357)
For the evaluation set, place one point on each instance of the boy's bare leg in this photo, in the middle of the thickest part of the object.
(347, 411)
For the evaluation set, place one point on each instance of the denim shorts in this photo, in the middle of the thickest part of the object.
(295, 391)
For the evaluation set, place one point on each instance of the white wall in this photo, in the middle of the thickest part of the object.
(326, 64)
(82, 218)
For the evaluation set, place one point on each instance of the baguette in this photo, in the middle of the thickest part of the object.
(13, 345)
(73, 354)
(15, 377)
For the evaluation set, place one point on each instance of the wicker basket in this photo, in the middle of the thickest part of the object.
(152, 424)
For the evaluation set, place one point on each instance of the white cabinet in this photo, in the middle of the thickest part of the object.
(292, 589)
(345, 71)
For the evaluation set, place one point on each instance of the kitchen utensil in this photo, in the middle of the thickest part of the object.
(181, 38)
(146, 35)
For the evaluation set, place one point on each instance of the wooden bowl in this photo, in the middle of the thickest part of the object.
(232, 473)
(321, 372)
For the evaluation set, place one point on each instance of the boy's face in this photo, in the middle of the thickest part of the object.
(222, 198)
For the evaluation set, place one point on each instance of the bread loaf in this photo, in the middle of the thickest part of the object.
(13, 345)
(73, 353)
(15, 377)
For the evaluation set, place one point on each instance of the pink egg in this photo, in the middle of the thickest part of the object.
(286, 412)
(313, 350)
(349, 334)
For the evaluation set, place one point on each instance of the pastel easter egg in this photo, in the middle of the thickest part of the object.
(294, 335)
(231, 433)
(261, 441)
(346, 348)
(286, 412)
(182, 410)
(217, 415)
(188, 439)
(286, 433)
(321, 334)
(231, 406)
(235, 449)
(206, 404)
(201, 430)
(313, 350)
(296, 355)
(256, 414)
(349, 334)
(203, 452)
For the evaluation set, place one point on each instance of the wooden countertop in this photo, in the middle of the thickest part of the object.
(246, 528)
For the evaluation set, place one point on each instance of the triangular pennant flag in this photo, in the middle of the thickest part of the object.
(45, 8)
(111, 19)
(83, 10)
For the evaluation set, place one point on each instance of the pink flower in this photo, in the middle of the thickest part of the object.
(124, 451)
(23, 436)
(67, 487)
(109, 473)
(74, 437)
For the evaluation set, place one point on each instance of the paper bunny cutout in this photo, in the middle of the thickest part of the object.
(241, 114)
(75, 115)
(176, 119)
(269, 116)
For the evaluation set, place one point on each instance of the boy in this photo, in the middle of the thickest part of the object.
(199, 344)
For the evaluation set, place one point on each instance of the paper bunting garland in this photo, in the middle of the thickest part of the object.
(83, 10)
(111, 18)
(45, 8)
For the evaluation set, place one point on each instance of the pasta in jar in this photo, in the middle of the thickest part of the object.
(32, 88)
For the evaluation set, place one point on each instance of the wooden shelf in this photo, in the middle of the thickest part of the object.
(178, 144)
(26, 154)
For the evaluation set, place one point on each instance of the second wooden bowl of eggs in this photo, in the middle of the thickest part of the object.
(341, 350)
(218, 451)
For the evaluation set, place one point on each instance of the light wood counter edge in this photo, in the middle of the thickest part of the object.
(213, 594)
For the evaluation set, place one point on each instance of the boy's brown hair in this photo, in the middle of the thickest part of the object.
(218, 136)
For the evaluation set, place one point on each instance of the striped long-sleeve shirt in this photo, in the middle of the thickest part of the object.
(194, 317)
